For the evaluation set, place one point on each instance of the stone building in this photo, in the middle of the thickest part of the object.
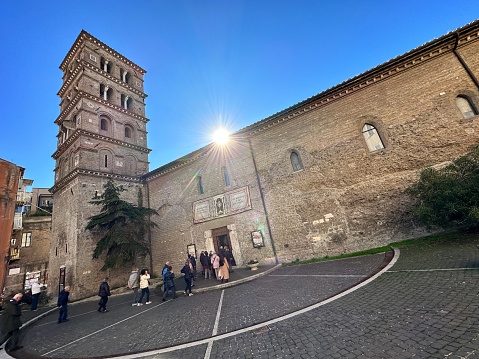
(101, 136)
(323, 177)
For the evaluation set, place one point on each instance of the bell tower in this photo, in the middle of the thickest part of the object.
(101, 136)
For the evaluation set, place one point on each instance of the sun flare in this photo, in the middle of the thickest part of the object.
(221, 136)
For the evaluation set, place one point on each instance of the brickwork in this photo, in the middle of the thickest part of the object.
(33, 257)
(102, 136)
(344, 199)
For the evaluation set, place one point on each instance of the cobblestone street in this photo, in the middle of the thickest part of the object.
(423, 306)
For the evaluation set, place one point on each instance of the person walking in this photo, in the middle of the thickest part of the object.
(144, 283)
(224, 272)
(169, 283)
(62, 303)
(11, 321)
(215, 262)
(134, 284)
(163, 272)
(186, 270)
(36, 291)
(205, 263)
(104, 293)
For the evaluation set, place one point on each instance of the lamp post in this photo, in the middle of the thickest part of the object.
(260, 189)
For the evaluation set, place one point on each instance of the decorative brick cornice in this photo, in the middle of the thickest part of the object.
(80, 171)
(183, 161)
(105, 74)
(398, 65)
(79, 132)
(85, 36)
(85, 95)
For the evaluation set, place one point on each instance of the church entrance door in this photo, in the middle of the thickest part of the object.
(221, 238)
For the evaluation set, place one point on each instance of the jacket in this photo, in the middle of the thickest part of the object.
(11, 320)
(104, 290)
(144, 281)
(168, 280)
(134, 280)
(63, 298)
(187, 271)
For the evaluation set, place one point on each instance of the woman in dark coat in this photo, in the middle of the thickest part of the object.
(12, 322)
(104, 293)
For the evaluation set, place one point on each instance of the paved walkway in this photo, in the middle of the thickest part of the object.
(423, 305)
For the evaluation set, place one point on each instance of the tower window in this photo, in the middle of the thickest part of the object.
(296, 161)
(372, 138)
(125, 76)
(127, 132)
(126, 102)
(464, 105)
(106, 161)
(105, 65)
(104, 124)
(106, 93)
(226, 176)
(200, 185)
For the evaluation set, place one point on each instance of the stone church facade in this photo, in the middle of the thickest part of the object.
(323, 177)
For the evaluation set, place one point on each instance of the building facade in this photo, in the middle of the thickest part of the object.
(101, 136)
(324, 177)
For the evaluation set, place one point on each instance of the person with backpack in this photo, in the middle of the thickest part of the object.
(186, 270)
(168, 280)
(163, 272)
(134, 284)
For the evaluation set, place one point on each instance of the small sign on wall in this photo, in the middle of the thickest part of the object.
(257, 238)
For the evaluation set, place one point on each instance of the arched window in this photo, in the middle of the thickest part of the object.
(226, 176)
(465, 106)
(200, 185)
(372, 138)
(127, 132)
(296, 161)
(103, 124)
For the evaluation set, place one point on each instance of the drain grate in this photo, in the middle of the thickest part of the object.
(261, 330)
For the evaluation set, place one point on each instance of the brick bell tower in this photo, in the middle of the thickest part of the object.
(101, 136)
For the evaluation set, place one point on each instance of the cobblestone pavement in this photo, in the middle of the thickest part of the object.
(424, 306)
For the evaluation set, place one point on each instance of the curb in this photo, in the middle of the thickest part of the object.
(236, 282)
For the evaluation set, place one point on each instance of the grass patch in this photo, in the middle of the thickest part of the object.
(446, 236)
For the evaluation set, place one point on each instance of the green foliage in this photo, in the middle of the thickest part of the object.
(123, 228)
(449, 197)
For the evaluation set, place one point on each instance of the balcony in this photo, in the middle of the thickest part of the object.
(14, 253)
(18, 221)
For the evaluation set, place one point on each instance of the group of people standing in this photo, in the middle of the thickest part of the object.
(217, 265)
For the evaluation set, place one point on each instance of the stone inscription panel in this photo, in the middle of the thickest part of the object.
(222, 205)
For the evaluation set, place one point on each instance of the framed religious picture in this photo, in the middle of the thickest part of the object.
(257, 237)
(191, 249)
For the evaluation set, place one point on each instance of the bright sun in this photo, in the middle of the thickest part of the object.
(221, 136)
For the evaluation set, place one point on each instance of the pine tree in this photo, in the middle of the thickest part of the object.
(123, 227)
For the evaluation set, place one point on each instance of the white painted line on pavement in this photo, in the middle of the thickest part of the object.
(269, 322)
(320, 275)
(215, 327)
(98, 331)
(432, 270)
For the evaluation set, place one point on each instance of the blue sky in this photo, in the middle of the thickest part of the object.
(209, 63)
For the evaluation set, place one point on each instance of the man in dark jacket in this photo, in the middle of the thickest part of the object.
(187, 272)
(62, 303)
(169, 283)
(104, 293)
(12, 322)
